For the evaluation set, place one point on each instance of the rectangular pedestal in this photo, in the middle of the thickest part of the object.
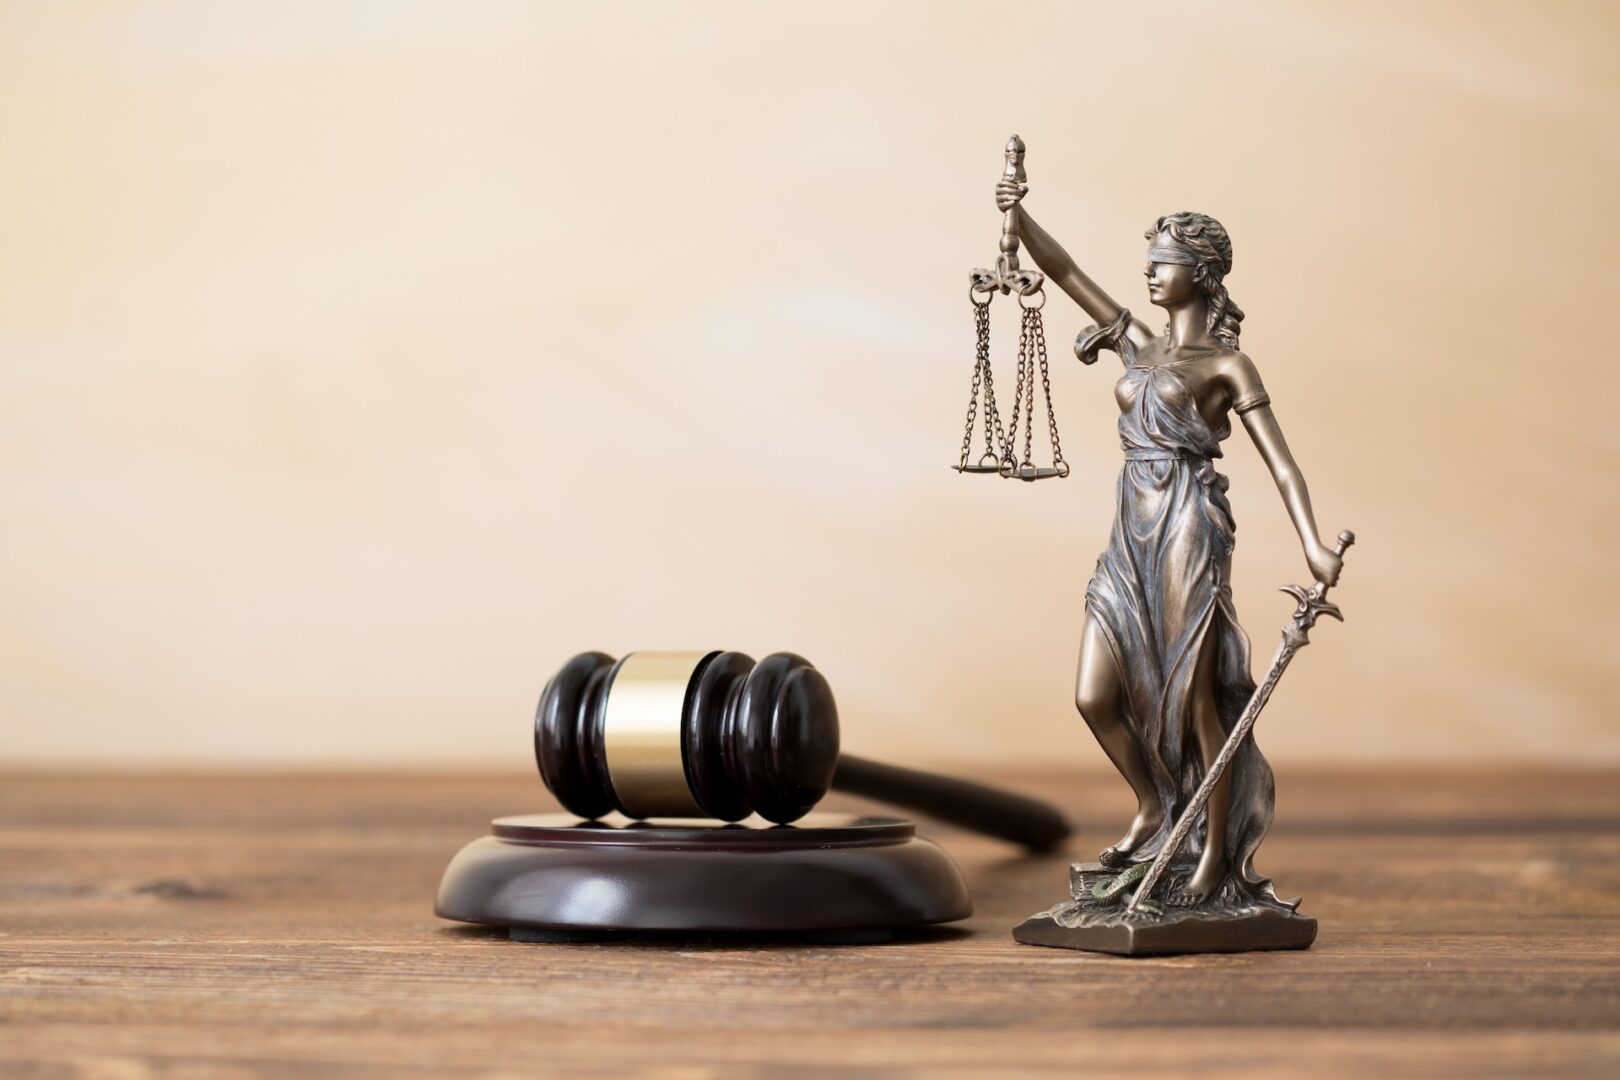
(1094, 919)
(1264, 928)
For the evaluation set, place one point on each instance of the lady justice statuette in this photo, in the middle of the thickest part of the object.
(1164, 680)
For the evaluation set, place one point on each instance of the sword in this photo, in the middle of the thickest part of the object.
(1295, 636)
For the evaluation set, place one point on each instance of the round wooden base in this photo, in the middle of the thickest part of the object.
(828, 873)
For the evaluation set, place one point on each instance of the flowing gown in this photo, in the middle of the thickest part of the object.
(1162, 586)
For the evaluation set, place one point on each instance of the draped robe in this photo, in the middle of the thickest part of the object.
(1162, 586)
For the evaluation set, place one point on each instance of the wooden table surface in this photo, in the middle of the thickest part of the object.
(282, 926)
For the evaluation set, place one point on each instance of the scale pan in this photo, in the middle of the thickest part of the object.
(977, 468)
(1031, 473)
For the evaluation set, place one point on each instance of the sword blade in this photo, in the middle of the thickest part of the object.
(1295, 636)
(1213, 774)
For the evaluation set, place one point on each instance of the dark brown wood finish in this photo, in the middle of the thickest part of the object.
(282, 926)
(826, 873)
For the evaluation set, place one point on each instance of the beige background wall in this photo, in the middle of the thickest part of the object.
(360, 362)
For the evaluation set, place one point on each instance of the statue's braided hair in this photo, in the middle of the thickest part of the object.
(1206, 238)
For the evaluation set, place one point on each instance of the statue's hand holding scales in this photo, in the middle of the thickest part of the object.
(1001, 451)
(1009, 193)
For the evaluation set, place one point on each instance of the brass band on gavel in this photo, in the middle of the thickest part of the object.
(641, 733)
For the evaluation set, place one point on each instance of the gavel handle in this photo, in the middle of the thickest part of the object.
(983, 809)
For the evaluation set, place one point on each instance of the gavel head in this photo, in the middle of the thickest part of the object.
(667, 734)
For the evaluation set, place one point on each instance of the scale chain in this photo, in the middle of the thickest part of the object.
(1046, 387)
(981, 322)
(1026, 358)
(983, 376)
(989, 384)
(1010, 456)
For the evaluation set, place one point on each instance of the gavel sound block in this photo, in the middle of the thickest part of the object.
(683, 739)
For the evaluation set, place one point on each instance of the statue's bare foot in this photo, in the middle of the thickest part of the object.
(1113, 858)
(1198, 888)
(1142, 830)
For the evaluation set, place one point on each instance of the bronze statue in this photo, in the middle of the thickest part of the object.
(1164, 677)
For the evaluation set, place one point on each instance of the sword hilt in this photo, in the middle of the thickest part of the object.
(1346, 538)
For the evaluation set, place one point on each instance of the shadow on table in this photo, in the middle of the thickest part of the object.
(713, 941)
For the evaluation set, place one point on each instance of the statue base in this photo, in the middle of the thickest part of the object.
(1095, 920)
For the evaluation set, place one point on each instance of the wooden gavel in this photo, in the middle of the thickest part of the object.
(691, 734)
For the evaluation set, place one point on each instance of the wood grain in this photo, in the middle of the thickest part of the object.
(281, 925)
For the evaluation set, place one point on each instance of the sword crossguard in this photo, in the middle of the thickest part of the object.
(1297, 634)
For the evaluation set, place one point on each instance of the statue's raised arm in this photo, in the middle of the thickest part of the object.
(1059, 265)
